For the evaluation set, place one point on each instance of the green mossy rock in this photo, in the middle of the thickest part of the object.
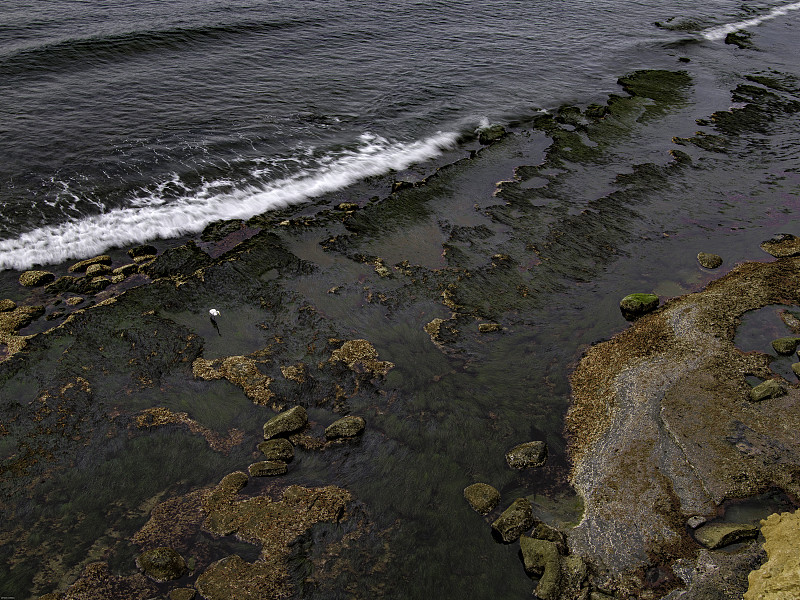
(286, 422)
(719, 535)
(770, 388)
(36, 278)
(267, 468)
(516, 519)
(161, 564)
(277, 449)
(482, 497)
(345, 427)
(541, 558)
(489, 135)
(708, 260)
(634, 306)
(529, 454)
(786, 345)
(80, 267)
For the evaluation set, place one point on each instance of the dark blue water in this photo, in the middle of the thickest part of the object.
(124, 121)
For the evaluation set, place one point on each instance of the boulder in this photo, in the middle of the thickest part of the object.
(267, 468)
(516, 519)
(345, 427)
(634, 306)
(36, 278)
(796, 369)
(126, 270)
(708, 260)
(543, 531)
(541, 558)
(782, 245)
(97, 269)
(7, 305)
(786, 345)
(144, 252)
(161, 564)
(482, 497)
(719, 535)
(779, 577)
(288, 421)
(771, 388)
(278, 449)
(529, 454)
(182, 594)
(489, 135)
(80, 267)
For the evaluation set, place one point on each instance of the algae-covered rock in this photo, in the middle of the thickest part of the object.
(267, 468)
(719, 535)
(80, 267)
(541, 558)
(183, 260)
(242, 371)
(636, 305)
(482, 497)
(126, 270)
(182, 594)
(142, 252)
(779, 577)
(277, 449)
(543, 531)
(286, 422)
(489, 135)
(36, 278)
(97, 269)
(161, 564)
(782, 245)
(489, 327)
(771, 388)
(7, 305)
(529, 454)
(516, 519)
(796, 369)
(360, 355)
(708, 260)
(345, 427)
(786, 345)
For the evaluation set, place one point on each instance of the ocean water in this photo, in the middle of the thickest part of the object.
(123, 122)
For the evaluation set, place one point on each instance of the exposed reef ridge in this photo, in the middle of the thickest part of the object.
(663, 428)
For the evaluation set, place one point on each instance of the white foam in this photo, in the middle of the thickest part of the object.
(718, 33)
(153, 218)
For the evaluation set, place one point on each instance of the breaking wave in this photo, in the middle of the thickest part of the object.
(718, 33)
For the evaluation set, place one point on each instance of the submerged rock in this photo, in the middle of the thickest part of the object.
(267, 468)
(161, 564)
(345, 427)
(719, 535)
(36, 278)
(786, 345)
(634, 306)
(482, 497)
(277, 449)
(516, 519)
(779, 577)
(708, 260)
(771, 388)
(529, 454)
(289, 421)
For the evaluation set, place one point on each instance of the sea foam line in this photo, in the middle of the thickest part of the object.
(718, 33)
(92, 235)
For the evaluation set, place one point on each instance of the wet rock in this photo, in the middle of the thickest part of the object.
(22, 316)
(347, 206)
(161, 564)
(782, 245)
(543, 531)
(779, 577)
(7, 305)
(695, 521)
(796, 369)
(74, 300)
(242, 371)
(345, 427)
(360, 355)
(771, 388)
(82, 266)
(144, 252)
(482, 497)
(740, 39)
(126, 270)
(719, 535)
(516, 519)
(267, 468)
(786, 345)
(183, 260)
(277, 449)
(182, 594)
(634, 306)
(708, 260)
(541, 558)
(297, 373)
(36, 278)
(489, 135)
(96, 582)
(791, 320)
(98, 269)
(226, 490)
(489, 327)
(289, 421)
(529, 454)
